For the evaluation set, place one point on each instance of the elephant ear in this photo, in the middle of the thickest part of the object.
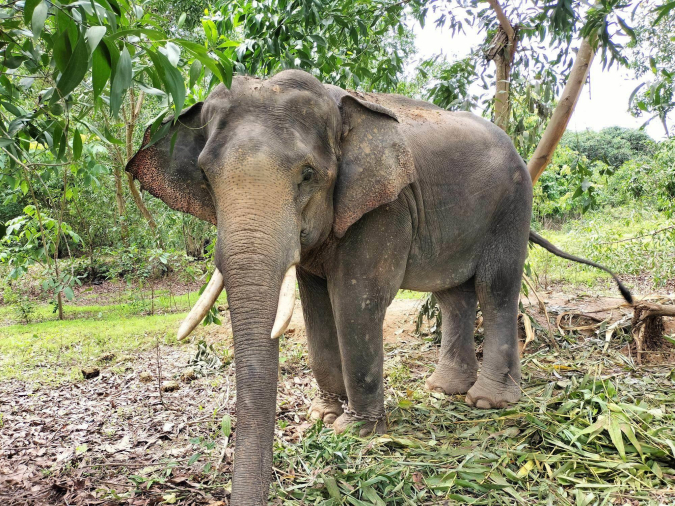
(375, 163)
(168, 168)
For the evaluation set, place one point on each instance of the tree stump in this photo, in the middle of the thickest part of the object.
(647, 326)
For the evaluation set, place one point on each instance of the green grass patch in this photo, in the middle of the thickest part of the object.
(602, 236)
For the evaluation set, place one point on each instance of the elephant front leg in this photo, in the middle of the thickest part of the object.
(324, 349)
(363, 278)
(359, 321)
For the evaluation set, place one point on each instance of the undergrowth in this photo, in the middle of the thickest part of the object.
(589, 430)
(621, 239)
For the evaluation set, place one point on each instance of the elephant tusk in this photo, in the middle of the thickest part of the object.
(202, 306)
(286, 303)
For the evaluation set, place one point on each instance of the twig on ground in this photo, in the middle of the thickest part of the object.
(159, 371)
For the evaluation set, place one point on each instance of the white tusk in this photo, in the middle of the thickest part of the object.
(286, 303)
(202, 306)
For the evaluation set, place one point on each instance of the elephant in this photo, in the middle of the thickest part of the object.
(355, 195)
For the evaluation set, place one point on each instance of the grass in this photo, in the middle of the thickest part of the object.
(602, 236)
(54, 351)
(50, 349)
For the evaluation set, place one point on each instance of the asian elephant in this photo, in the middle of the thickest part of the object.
(361, 195)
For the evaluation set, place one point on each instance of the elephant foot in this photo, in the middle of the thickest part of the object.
(451, 380)
(364, 426)
(327, 407)
(490, 394)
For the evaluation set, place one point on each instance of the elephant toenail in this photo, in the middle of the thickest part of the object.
(483, 404)
(329, 418)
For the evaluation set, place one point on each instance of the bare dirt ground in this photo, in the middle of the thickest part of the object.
(117, 439)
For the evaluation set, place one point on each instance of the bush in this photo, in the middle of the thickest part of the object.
(613, 146)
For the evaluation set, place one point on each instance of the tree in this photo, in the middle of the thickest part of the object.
(516, 36)
(351, 43)
(60, 65)
(652, 59)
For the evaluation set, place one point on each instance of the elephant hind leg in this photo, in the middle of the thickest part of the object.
(498, 281)
(457, 367)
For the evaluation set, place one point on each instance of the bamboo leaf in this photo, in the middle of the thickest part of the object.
(615, 435)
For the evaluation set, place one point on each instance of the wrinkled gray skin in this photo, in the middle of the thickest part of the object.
(367, 194)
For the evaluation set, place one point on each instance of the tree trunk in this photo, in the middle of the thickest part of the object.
(501, 50)
(139, 202)
(563, 111)
(119, 197)
(503, 89)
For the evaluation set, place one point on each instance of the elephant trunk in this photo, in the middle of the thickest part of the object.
(256, 256)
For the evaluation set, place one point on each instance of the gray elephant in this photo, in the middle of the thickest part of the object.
(360, 195)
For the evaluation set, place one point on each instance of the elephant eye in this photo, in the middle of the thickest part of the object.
(307, 174)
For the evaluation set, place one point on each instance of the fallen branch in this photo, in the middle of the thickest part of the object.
(640, 236)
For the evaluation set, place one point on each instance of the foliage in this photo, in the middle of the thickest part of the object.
(206, 360)
(431, 312)
(579, 177)
(613, 146)
(343, 42)
(652, 59)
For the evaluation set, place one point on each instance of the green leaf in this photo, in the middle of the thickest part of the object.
(629, 31)
(331, 486)
(203, 56)
(226, 426)
(121, 81)
(171, 77)
(75, 70)
(77, 145)
(159, 134)
(62, 50)
(100, 69)
(194, 459)
(150, 33)
(38, 18)
(195, 71)
(616, 436)
(28, 9)
(94, 35)
(68, 292)
(663, 10)
(181, 19)
(172, 52)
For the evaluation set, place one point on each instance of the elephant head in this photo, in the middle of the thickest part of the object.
(279, 166)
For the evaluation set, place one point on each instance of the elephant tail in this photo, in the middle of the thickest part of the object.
(548, 246)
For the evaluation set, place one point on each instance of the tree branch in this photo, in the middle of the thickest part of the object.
(503, 20)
